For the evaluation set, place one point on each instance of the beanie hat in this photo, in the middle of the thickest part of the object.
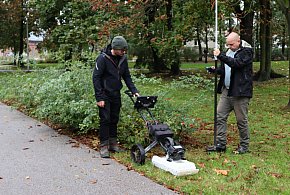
(119, 42)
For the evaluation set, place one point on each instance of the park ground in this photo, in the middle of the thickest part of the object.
(264, 170)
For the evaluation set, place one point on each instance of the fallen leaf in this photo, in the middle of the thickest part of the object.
(71, 142)
(129, 168)
(235, 152)
(235, 178)
(25, 148)
(106, 164)
(234, 162)
(254, 167)
(143, 174)
(1, 177)
(93, 181)
(76, 145)
(226, 161)
(279, 136)
(202, 165)
(222, 172)
(276, 175)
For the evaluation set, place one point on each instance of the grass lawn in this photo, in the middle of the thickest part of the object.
(264, 170)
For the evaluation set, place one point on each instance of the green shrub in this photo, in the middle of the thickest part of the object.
(189, 54)
(67, 98)
(277, 54)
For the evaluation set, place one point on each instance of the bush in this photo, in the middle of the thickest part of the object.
(189, 54)
(67, 98)
(277, 55)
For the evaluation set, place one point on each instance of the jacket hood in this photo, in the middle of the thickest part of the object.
(246, 44)
(107, 49)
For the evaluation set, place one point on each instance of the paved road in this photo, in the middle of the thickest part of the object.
(36, 160)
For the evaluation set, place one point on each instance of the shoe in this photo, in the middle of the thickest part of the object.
(241, 150)
(104, 149)
(113, 145)
(217, 148)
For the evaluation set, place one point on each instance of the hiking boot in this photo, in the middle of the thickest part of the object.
(241, 150)
(113, 145)
(217, 148)
(104, 149)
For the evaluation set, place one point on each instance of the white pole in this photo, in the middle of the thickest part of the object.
(215, 74)
(213, 148)
(27, 41)
(216, 24)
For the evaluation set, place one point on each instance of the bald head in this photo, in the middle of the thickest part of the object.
(233, 36)
(233, 41)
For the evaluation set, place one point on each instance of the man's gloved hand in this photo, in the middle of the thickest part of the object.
(210, 69)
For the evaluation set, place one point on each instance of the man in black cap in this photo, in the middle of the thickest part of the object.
(111, 66)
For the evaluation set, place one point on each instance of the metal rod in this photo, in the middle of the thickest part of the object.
(27, 41)
(154, 143)
(215, 75)
(216, 23)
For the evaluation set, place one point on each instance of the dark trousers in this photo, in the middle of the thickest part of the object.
(109, 118)
(240, 106)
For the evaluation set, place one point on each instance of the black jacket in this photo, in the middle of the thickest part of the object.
(107, 75)
(241, 84)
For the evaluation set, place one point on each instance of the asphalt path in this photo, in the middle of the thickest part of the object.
(36, 160)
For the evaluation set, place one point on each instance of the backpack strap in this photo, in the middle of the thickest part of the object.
(117, 66)
(109, 58)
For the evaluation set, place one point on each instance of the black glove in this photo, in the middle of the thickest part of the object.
(210, 69)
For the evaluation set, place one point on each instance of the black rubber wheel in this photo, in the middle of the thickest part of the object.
(138, 154)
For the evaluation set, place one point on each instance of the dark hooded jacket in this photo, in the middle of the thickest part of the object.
(241, 84)
(107, 75)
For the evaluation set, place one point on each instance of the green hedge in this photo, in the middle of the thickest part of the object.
(67, 98)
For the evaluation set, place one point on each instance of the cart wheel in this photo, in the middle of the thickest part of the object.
(138, 154)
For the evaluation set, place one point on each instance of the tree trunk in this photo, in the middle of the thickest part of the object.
(150, 11)
(68, 55)
(266, 40)
(174, 69)
(206, 45)
(283, 44)
(169, 14)
(262, 52)
(288, 106)
(158, 62)
(257, 43)
(14, 53)
(221, 39)
(21, 42)
(287, 14)
(199, 44)
(246, 17)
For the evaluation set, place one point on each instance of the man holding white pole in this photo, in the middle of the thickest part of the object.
(236, 88)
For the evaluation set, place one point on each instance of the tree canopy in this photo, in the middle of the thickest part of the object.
(157, 30)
